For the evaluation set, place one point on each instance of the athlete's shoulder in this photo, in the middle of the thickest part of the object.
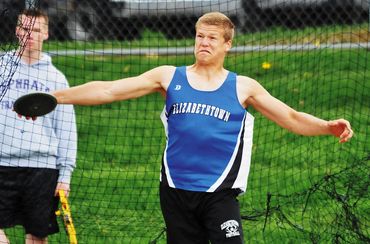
(160, 71)
(245, 81)
(244, 78)
(247, 87)
(164, 74)
(165, 69)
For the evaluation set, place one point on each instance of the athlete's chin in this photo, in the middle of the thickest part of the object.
(203, 58)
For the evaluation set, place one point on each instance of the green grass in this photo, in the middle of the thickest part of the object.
(114, 195)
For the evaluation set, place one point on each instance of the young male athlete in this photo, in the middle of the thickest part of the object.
(36, 158)
(209, 133)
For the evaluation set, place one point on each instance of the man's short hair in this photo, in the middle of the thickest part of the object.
(37, 13)
(218, 19)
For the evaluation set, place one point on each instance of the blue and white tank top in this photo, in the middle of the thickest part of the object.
(209, 137)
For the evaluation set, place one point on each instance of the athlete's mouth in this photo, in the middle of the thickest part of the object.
(204, 51)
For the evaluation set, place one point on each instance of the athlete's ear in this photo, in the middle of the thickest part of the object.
(228, 45)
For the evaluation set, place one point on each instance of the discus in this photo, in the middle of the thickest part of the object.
(35, 104)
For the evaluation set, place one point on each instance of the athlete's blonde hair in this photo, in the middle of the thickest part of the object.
(218, 19)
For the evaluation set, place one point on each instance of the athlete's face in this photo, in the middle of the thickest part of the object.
(210, 44)
(31, 32)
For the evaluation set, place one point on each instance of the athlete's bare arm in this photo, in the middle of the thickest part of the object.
(101, 92)
(250, 92)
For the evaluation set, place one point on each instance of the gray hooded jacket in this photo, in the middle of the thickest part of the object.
(51, 140)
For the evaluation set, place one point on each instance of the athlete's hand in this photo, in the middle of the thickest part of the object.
(341, 128)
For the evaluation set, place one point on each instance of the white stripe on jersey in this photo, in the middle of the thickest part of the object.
(165, 125)
(242, 178)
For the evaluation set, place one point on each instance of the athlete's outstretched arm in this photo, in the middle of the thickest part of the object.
(297, 122)
(101, 92)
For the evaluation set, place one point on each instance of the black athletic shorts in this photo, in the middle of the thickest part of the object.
(27, 199)
(201, 217)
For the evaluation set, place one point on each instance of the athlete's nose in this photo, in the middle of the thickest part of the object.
(204, 42)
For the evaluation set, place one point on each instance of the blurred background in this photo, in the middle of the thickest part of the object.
(126, 19)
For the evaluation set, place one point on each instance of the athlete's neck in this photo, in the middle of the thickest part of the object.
(204, 79)
(207, 72)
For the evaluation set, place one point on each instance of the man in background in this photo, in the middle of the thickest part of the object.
(36, 157)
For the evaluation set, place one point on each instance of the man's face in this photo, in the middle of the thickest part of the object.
(31, 32)
(210, 43)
